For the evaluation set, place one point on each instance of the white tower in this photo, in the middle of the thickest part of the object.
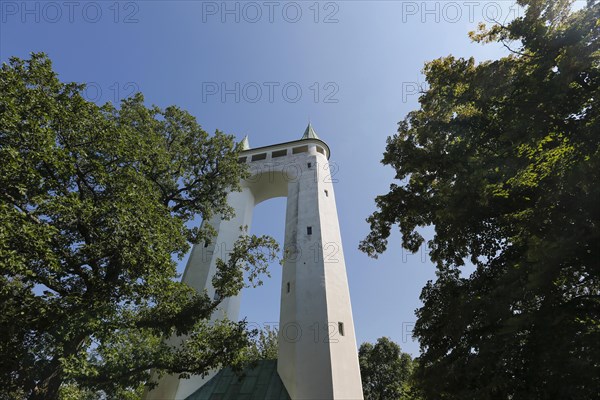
(317, 357)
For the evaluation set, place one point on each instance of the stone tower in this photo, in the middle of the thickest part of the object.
(317, 346)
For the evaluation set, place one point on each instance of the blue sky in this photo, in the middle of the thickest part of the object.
(351, 67)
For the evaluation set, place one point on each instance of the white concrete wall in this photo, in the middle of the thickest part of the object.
(343, 350)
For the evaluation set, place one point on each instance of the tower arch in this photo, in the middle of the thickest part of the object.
(317, 356)
(260, 306)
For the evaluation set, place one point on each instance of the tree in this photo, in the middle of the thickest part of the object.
(503, 159)
(265, 345)
(385, 370)
(95, 202)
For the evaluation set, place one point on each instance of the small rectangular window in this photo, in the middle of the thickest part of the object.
(341, 328)
(288, 287)
(206, 244)
(279, 153)
(301, 149)
(309, 230)
(326, 193)
(258, 157)
(309, 165)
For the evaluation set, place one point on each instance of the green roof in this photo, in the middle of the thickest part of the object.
(310, 133)
(259, 383)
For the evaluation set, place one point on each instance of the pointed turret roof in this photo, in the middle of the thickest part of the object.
(245, 143)
(310, 133)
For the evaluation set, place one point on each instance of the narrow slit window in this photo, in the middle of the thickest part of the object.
(206, 244)
(309, 165)
(341, 328)
(309, 230)
(326, 193)
(288, 287)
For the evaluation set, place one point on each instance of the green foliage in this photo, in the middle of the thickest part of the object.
(94, 203)
(265, 345)
(71, 391)
(385, 371)
(503, 159)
